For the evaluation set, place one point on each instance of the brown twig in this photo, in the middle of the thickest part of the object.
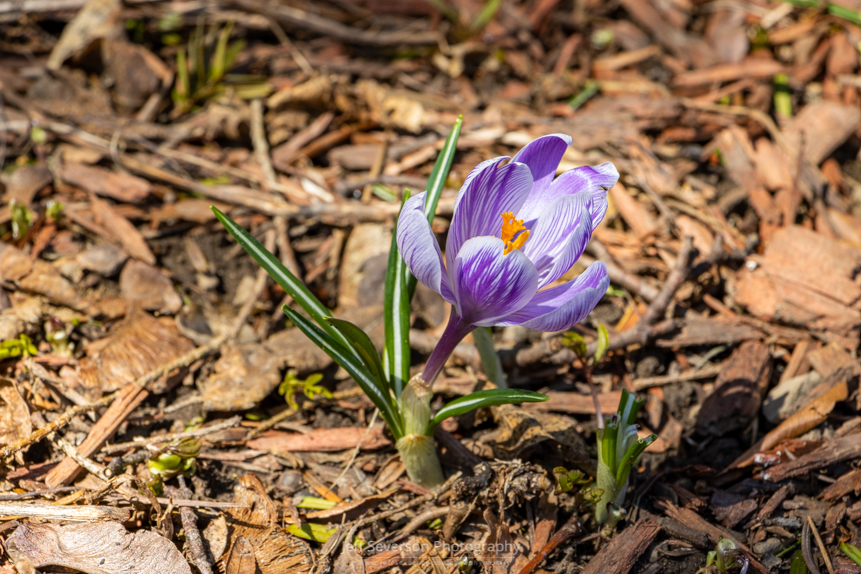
(569, 530)
(196, 550)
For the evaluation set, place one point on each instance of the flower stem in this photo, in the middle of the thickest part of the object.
(454, 333)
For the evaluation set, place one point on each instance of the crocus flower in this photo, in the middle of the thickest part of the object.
(516, 229)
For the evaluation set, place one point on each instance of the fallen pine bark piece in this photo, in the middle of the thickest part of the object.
(750, 68)
(846, 484)
(693, 520)
(623, 551)
(738, 390)
(834, 451)
(321, 440)
(81, 513)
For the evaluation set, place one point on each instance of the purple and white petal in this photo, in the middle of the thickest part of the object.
(419, 247)
(559, 237)
(542, 156)
(487, 284)
(489, 191)
(558, 308)
(594, 180)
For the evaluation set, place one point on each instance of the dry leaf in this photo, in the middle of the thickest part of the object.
(121, 230)
(146, 287)
(98, 548)
(96, 20)
(139, 344)
(14, 414)
(121, 186)
(240, 559)
(811, 416)
(276, 551)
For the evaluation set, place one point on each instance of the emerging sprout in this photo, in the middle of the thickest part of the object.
(57, 334)
(20, 347)
(22, 218)
(728, 557)
(618, 452)
(171, 461)
(309, 386)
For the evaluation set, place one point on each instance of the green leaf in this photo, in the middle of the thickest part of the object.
(489, 357)
(312, 531)
(377, 390)
(852, 552)
(183, 84)
(631, 457)
(603, 343)
(798, 565)
(289, 282)
(487, 398)
(397, 315)
(219, 59)
(363, 344)
(436, 181)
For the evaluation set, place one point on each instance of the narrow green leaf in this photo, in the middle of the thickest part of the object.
(436, 181)
(397, 318)
(798, 565)
(630, 458)
(487, 398)
(852, 552)
(183, 85)
(489, 357)
(376, 390)
(603, 343)
(289, 282)
(219, 59)
(363, 344)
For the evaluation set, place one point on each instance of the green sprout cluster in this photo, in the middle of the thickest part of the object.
(177, 458)
(20, 347)
(728, 557)
(618, 452)
(202, 66)
(310, 388)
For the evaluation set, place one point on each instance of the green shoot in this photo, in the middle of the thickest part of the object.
(309, 387)
(851, 551)
(618, 452)
(20, 347)
(177, 458)
(22, 218)
(201, 70)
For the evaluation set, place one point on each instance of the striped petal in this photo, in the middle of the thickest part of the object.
(591, 180)
(488, 284)
(558, 308)
(559, 237)
(419, 247)
(489, 191)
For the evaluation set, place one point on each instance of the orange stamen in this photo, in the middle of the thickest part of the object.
(510, 228)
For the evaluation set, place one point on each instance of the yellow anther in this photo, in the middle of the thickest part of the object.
(510, 228)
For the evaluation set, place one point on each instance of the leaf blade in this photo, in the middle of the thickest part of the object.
(487, 398)
(289, 282)
(363, 344)
(397, 318)
(375, 391)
